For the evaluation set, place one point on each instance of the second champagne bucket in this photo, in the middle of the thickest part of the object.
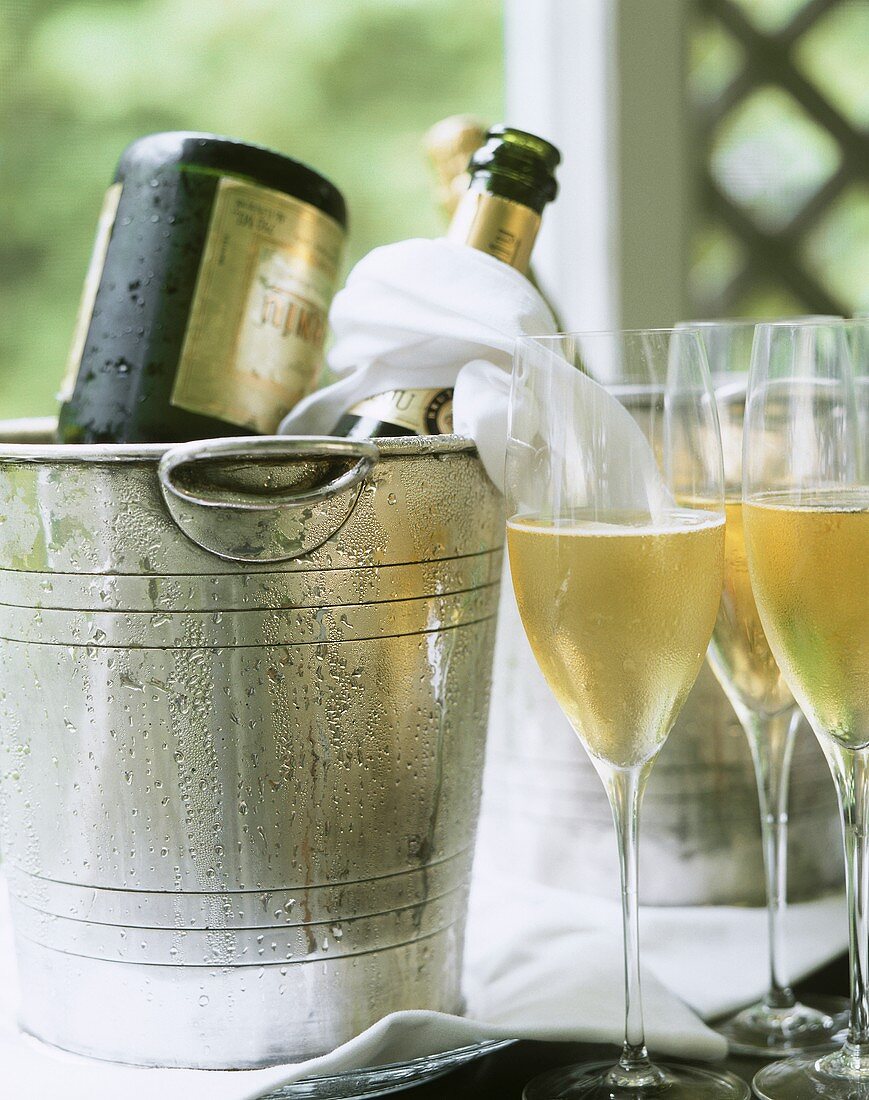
(243, 700)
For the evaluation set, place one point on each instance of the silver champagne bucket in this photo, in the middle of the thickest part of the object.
(243, 701)
(545, 814)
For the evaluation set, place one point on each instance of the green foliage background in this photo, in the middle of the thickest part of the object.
(348, 86)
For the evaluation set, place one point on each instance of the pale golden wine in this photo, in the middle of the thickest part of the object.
(739, 652)
(810, 570)
(619, 616)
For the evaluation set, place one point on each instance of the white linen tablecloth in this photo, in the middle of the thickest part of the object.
(540, 963)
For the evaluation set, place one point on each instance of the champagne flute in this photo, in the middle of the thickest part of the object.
(616, 542)
(740, 657)
(806, 515)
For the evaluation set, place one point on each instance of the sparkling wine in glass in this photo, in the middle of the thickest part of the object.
(616, 543)
(806, 515)
(744, 665)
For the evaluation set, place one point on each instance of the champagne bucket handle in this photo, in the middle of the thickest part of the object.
(266, 498)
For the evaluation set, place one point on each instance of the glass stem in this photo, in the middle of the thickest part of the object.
(771, 740)
(625, 788)
(850, 770)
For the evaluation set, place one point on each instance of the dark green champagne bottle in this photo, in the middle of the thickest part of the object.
(204, 307)
(511, 179)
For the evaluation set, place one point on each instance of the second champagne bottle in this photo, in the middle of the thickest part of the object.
(511, 179)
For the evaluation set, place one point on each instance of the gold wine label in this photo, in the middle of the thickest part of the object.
(424, 412)
(258, 318)
(501, 227)
(105, 225)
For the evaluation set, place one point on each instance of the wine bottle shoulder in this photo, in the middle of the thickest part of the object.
(211, 154)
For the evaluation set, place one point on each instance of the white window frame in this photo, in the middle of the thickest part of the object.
(605, 80)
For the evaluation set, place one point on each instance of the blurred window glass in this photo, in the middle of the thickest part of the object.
(349, 88)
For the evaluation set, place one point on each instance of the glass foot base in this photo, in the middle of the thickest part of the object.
(811, 1079)
(818, 1023)
(601, 1081)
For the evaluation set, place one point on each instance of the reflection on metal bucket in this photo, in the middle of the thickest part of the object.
(243, 699)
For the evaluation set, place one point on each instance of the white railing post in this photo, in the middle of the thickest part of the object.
(605, 80)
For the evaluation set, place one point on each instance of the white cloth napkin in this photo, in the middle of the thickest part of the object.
(541, 963)
(413, 314)
(434, 313)
(429, 313)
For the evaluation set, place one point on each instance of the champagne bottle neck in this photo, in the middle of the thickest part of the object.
(512, 178)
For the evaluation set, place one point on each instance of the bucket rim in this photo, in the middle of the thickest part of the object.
(27, 440)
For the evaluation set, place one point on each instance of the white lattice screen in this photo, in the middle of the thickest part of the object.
(781, 90)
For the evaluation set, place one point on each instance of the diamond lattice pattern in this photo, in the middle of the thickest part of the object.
(782, 99)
